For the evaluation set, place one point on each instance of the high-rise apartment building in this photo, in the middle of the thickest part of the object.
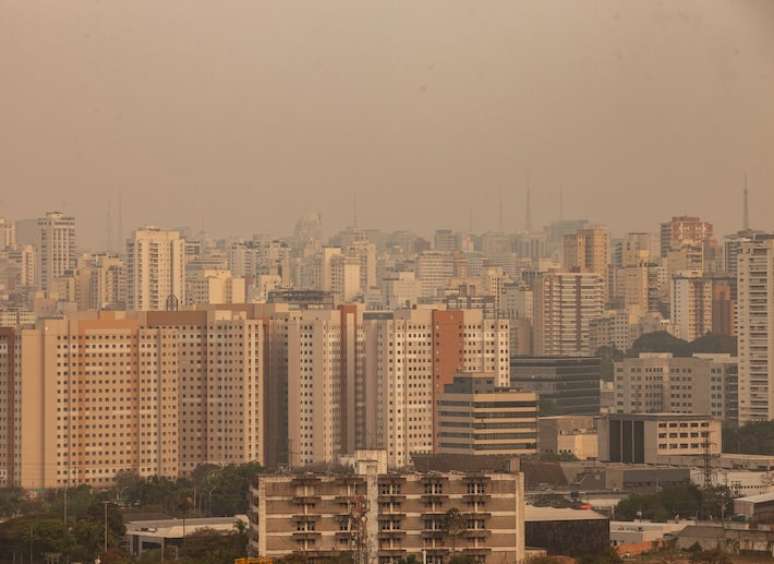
(56, 247)
(755, 327)
(214, 287)
(433, 270)
(446, 240)
(684, 229)
(691, 306)
(158, 393)
(7, 233)
(324, 373)
(477, 417)
(587, 250)
(565, 303)
(409, 357)
(155, 269)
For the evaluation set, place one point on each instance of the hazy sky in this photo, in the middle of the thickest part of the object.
(245, 114)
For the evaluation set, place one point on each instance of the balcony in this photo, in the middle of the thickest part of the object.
(306, 499)
(437, 499)
(437, 534)
(477, 533)
(476, 498)
(306, 535)
(391, 534)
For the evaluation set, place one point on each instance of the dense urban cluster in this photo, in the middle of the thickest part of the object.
(463, 397)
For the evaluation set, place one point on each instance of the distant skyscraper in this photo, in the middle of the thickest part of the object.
(57, 251)
(755, 328)
(155, 268)
(684, 229)
(7, 233)
(564, 306)
(691, 306)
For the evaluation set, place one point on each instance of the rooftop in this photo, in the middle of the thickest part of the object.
(533, 513)
(760, 498)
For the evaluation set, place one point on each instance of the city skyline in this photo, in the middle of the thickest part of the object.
(187, 113)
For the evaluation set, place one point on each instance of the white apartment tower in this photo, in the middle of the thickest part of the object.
(56, 247)
(156, 269)
(755, 330)
(565, 303)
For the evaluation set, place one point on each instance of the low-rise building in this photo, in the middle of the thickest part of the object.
(386, 517)
(644, 438)
(166, 533)
(757, 508)
(566, 531)
(568, 435)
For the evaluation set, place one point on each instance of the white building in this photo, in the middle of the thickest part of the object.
(155, 269)
(755, 329)
(565, 303)
(56, 247)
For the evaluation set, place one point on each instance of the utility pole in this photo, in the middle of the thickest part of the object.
(106, 503)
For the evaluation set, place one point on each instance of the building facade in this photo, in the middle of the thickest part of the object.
(57, 251)
(155, 269)
(382, 518)
(475, 416)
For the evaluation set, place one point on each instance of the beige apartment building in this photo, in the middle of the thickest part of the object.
(209, 286)
(410, 355)
(587, 250)
(384, 517)
(155, 269)
(475, 416)
(659, 382)
(691, 305)
(755, 328)
(158, 393)
(565, 303)
(57, 252)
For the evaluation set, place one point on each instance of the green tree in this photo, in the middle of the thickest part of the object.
(454, 526)
(713, 556)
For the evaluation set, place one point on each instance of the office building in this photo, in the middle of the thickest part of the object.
(659, 382)
(587, 250)
(645, 438)
(155, 269)
(477, 417)
(564, 305)
(387, 517)
(565, 385)
(56, 247)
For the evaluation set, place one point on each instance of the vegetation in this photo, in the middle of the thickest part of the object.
(683, 500)
(34, 525)
(608, 356)
(753, 438)
(557, 457)
(661, 341)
